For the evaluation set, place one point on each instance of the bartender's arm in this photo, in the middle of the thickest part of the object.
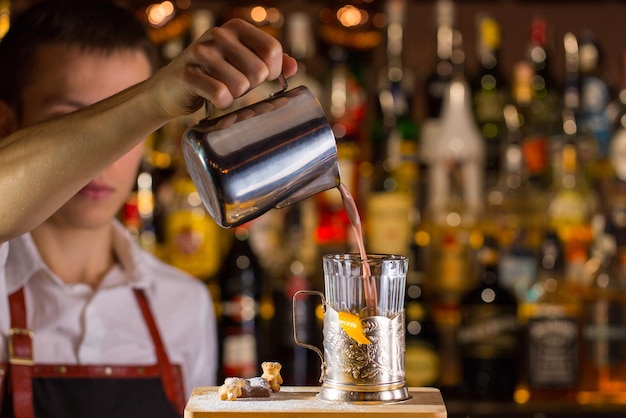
(43, 165)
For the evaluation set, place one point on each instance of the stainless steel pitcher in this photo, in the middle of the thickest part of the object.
(266, 155)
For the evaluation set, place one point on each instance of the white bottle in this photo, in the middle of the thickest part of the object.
(457, 149)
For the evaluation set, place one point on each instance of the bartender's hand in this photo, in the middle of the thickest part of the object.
(220, 66)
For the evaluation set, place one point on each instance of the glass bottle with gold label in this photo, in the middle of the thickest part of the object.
(192, 237)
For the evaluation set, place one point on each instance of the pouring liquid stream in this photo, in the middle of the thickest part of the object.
(369, 284)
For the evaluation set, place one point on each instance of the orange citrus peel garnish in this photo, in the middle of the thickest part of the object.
(351, 324)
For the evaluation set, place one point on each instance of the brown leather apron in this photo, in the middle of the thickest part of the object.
(29, 390)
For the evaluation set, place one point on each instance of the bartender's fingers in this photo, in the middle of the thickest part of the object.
(240, 56)
(220, 66)
(250, 39)
(290, 65)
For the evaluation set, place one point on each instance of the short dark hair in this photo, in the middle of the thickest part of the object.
(90, 25)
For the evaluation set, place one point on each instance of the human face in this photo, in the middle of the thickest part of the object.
(67, 79)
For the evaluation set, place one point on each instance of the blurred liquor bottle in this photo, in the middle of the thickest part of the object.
(604, 351)
(534, 142)
(592, 164)
(391, 205)
(349, 31)
(603, 332)
(436, 83)
(516, 213)
(162, 163)
(550, 322)
(451, 230)
(192, 237)
(138, 212)
(617, 147)
(616, 198)
(490, 91)
(422, 356)
(347, 107)
(595, 97)
(455, 192)
(301, 366)
(546, 90)
(301, 44)
(541, 109)
(489, 333)
(571, 204)
(241, 282)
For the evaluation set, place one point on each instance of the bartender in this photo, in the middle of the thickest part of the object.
(90, 325)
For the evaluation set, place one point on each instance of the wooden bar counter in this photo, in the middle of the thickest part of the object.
(301, 401)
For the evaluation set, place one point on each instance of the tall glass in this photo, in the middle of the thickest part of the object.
(363, 358)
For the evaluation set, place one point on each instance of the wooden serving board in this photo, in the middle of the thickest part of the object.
(301, 401)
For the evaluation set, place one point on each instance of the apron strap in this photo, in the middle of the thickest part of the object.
(172, 384)
(20, 345)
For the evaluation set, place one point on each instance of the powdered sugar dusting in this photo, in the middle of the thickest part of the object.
(285, 400)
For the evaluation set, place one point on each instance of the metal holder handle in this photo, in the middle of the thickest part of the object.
(295, 328)
(283, 85)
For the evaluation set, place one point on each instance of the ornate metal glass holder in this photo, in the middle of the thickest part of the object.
(363, 358)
